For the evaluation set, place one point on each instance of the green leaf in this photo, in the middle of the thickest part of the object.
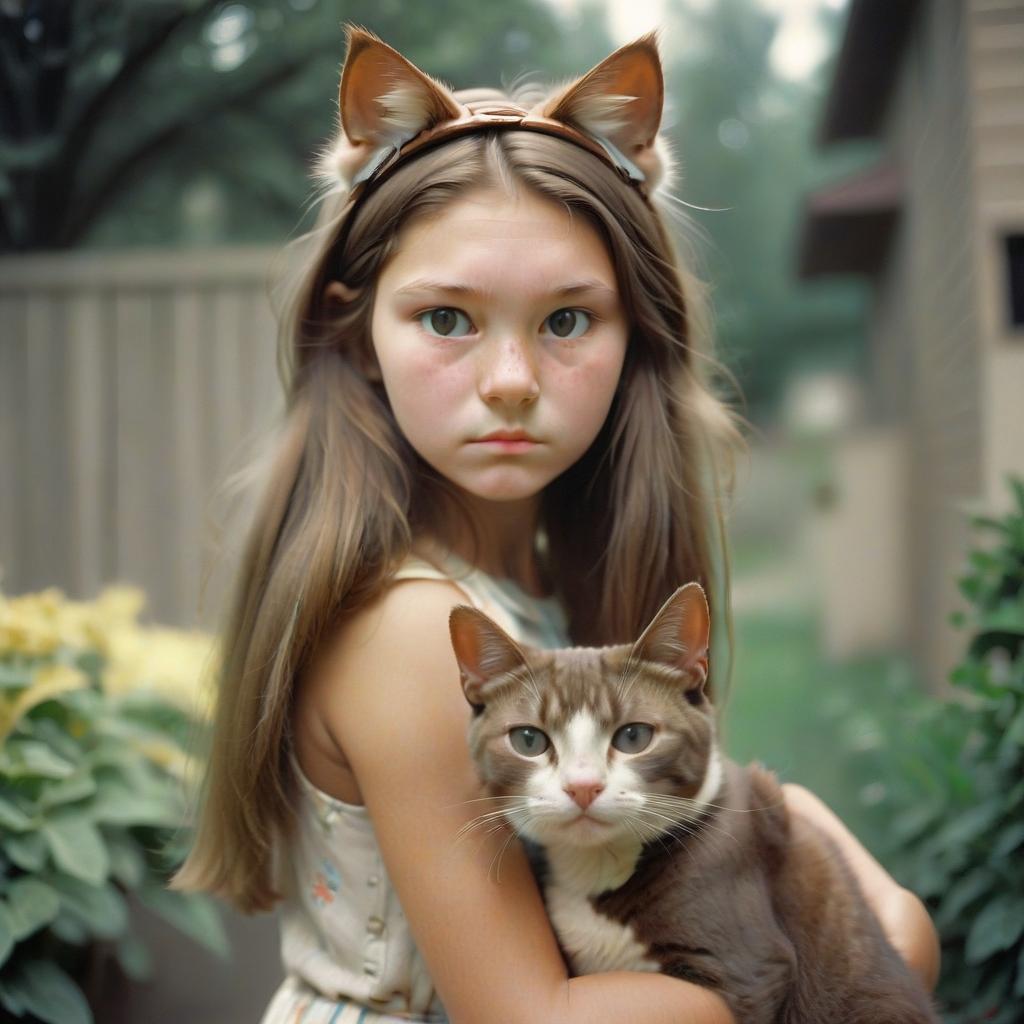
(912, 823)
(127, 863)
(996, 928)
(101, 909)
(10, 1001)
(1007, 618)
(70, 929)
(12, 817)
(48, 993)
(7, 936)
(1009, 839)
(21, 759)
(970, 824)
(29, 154)
(1016, 485)
(1015, 732)
(32, 904)
(190, 913)
(15, 676)
(66, 791)
(134, 958)
(27, 850)
(962, 894)
(144, 803)
(77, 846)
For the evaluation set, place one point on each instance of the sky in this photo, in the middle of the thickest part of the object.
(799, 45)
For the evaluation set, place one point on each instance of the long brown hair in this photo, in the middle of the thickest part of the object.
(346, 493)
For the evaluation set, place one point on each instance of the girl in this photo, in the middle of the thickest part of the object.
(494, 397)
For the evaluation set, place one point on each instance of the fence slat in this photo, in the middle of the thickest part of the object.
(131, 384)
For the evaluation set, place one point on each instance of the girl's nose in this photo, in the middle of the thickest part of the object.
(509, 374)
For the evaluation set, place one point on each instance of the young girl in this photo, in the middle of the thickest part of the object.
(495, 397)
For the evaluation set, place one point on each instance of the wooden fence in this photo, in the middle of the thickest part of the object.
(129, 385)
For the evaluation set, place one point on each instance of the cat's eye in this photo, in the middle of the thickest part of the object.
(445, 322)
(568, 324)
(528, 741)
(633, 738)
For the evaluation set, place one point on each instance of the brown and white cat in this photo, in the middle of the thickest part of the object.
(661, 854)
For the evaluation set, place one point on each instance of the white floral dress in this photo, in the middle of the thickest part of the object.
(348, 953)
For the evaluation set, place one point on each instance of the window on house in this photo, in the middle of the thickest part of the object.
(1015, 280)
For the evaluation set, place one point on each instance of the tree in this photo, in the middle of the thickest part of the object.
(745, 136)
(116, 114)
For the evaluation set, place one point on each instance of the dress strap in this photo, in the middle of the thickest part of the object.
(416, 568)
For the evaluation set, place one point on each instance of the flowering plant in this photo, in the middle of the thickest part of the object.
(96, 716)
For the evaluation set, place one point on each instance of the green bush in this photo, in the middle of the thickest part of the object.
(951, 812)
(95, 716)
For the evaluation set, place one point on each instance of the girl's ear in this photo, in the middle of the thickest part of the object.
(485, 652)
(384, 100)
(338, 293)
(678, 636)
(620, 101)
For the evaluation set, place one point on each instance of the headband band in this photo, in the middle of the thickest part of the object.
(487, 115)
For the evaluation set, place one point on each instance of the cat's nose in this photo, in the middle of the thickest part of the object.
(584, 793)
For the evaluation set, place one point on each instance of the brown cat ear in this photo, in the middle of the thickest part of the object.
(384, 100)
(620, 101)
(679, 634)
(484, 651)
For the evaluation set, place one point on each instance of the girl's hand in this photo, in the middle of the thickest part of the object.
(387, 691)
(902, 915)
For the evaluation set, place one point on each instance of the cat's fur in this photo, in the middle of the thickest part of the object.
(672, 858)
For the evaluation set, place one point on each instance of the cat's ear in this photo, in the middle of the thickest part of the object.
(383, 101)
(620, 102)
(485, 652)
(679, 635)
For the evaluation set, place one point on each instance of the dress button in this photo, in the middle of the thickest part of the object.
(375, 926)
(370, 970)
(372, 881)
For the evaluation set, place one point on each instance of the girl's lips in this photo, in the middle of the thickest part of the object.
(508, 446)
(508, 435)
(509, 441)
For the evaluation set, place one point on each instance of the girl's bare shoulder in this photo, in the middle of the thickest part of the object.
(409, 617)
(397, 647)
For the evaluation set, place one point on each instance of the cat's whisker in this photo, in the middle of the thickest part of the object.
(645, 831)
(717, 807)
(501, 815)
(498, 856)
(480, 800)
(692, 821)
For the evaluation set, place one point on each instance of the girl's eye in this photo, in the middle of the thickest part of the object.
(445, 322)
(528, 741)
(633, 738)
(568, 323)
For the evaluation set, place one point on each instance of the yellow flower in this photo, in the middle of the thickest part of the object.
(49, 681)
(178, 665)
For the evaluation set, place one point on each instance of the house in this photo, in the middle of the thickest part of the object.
(937, 226)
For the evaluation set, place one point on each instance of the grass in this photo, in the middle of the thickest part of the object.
(804, 717)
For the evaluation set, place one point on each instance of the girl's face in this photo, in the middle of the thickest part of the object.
(500, 337)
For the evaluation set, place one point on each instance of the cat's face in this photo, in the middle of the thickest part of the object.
(585, 746)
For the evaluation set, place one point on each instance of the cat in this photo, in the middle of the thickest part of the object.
(659, 853)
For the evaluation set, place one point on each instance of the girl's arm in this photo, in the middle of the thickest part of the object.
(902, 915)
(388, 690)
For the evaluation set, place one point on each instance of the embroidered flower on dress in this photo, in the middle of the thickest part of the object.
(326, 883)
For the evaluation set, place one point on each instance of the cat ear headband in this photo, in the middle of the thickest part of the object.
(389, 110)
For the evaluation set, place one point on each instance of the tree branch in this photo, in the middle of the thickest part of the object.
(91, 207)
